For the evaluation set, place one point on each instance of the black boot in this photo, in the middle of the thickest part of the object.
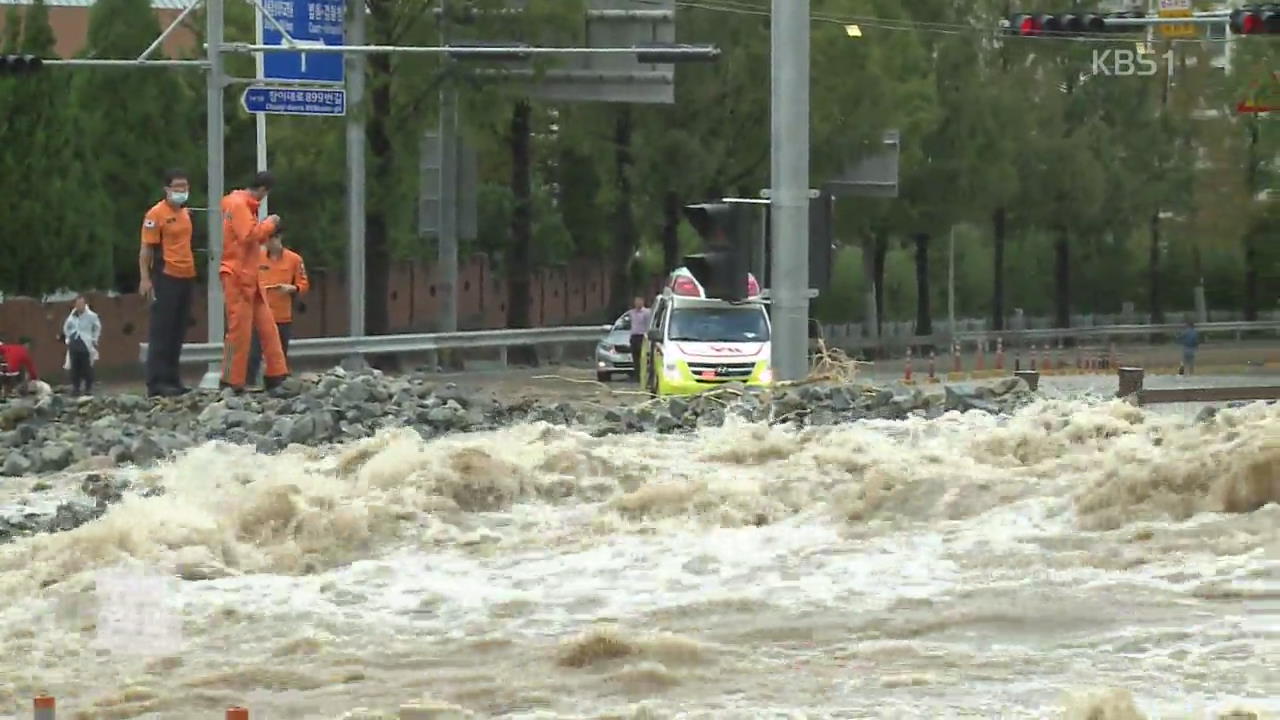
(272, 385)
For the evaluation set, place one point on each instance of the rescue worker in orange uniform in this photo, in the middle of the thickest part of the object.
(167, 278)
(247, 312)
(283, 277)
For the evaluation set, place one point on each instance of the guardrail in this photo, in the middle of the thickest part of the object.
(336, 347)
(1013, 338)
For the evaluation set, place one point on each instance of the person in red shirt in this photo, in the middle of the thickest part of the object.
(247, 312)
(17, 368)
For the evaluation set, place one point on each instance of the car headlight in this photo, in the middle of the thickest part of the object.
(672, 371)
(766, 375)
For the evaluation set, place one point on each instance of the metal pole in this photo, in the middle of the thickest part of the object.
(500, 52)
(789, 180)
(176, 22)
(260, 119)
(87, 62)
(355, 172)
(447, 252)
(1226, 49)
(214, 131)
(762, 249)
(951, 287)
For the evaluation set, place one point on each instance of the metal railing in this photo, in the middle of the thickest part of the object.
(1014, 338)
(337, 347)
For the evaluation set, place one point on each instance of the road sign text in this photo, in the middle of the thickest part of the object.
(310, 22)
(295, 101)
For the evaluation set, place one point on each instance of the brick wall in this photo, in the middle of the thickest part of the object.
(573, 295)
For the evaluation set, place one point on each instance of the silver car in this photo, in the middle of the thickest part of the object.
(613, 352)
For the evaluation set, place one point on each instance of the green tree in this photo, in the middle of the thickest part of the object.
(136, 124)
(43, 252)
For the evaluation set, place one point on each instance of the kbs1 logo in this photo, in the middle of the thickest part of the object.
(1128, 63)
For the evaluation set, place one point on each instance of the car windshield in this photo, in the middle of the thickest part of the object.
(719, 325)
(623, 323)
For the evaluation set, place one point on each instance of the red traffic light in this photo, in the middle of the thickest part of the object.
(1066, 24)
(1024, 25)
(1252, 21)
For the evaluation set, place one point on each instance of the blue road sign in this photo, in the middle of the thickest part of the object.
(294, 101)
(315, 21)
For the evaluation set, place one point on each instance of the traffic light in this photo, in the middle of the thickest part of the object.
(1255, 20)
(821, 247)
(723, 268)
(19, 64)
(1068, 24)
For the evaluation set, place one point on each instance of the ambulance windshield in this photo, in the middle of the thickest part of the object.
(741, 324)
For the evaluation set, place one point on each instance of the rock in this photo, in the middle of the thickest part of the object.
(354, 393)
(16, 464)
(120, 454)
(454, 393)
(1206, 414)
(54, 457)
(102, 489)
(15, 414)
(71, 515)
(666, 423)
(441, 416)
(145, 450)
(963, 401)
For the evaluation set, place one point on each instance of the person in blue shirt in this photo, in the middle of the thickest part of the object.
(1189, 340)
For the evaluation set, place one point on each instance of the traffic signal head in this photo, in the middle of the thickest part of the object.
(1254, 20)
(19, 64)
(723, 268)
(713, 221)
(1066, 24)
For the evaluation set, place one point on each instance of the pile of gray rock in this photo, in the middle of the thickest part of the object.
(55, 434)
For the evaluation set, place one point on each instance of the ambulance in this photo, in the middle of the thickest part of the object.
(696, 343)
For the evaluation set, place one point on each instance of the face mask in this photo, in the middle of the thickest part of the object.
(178, 198)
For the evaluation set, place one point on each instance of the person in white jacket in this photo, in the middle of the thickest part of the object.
(81, 332)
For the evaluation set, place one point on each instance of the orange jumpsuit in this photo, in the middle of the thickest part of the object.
(247, 309)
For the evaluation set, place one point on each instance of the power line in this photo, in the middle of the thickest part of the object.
(906, 25)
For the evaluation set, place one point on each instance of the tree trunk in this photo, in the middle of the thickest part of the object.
(377, 252)
(997, 294)
(518, 268)
(1251, 277)
(670, 231)
(877, 269)
(1153, 271)
(1250, 248)
(1062, 279)
(924, 317)
(624, 226)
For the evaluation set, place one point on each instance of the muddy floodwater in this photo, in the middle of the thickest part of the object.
(1082, 559)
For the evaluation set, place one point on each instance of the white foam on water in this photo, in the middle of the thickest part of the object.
(1042, 565)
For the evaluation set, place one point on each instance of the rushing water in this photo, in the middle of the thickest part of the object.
(1079, 560)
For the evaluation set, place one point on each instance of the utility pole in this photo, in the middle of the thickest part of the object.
(447, 232)
(213, 215)
(260, 119)
(789, 178)
(951, 286)
(355, 171)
